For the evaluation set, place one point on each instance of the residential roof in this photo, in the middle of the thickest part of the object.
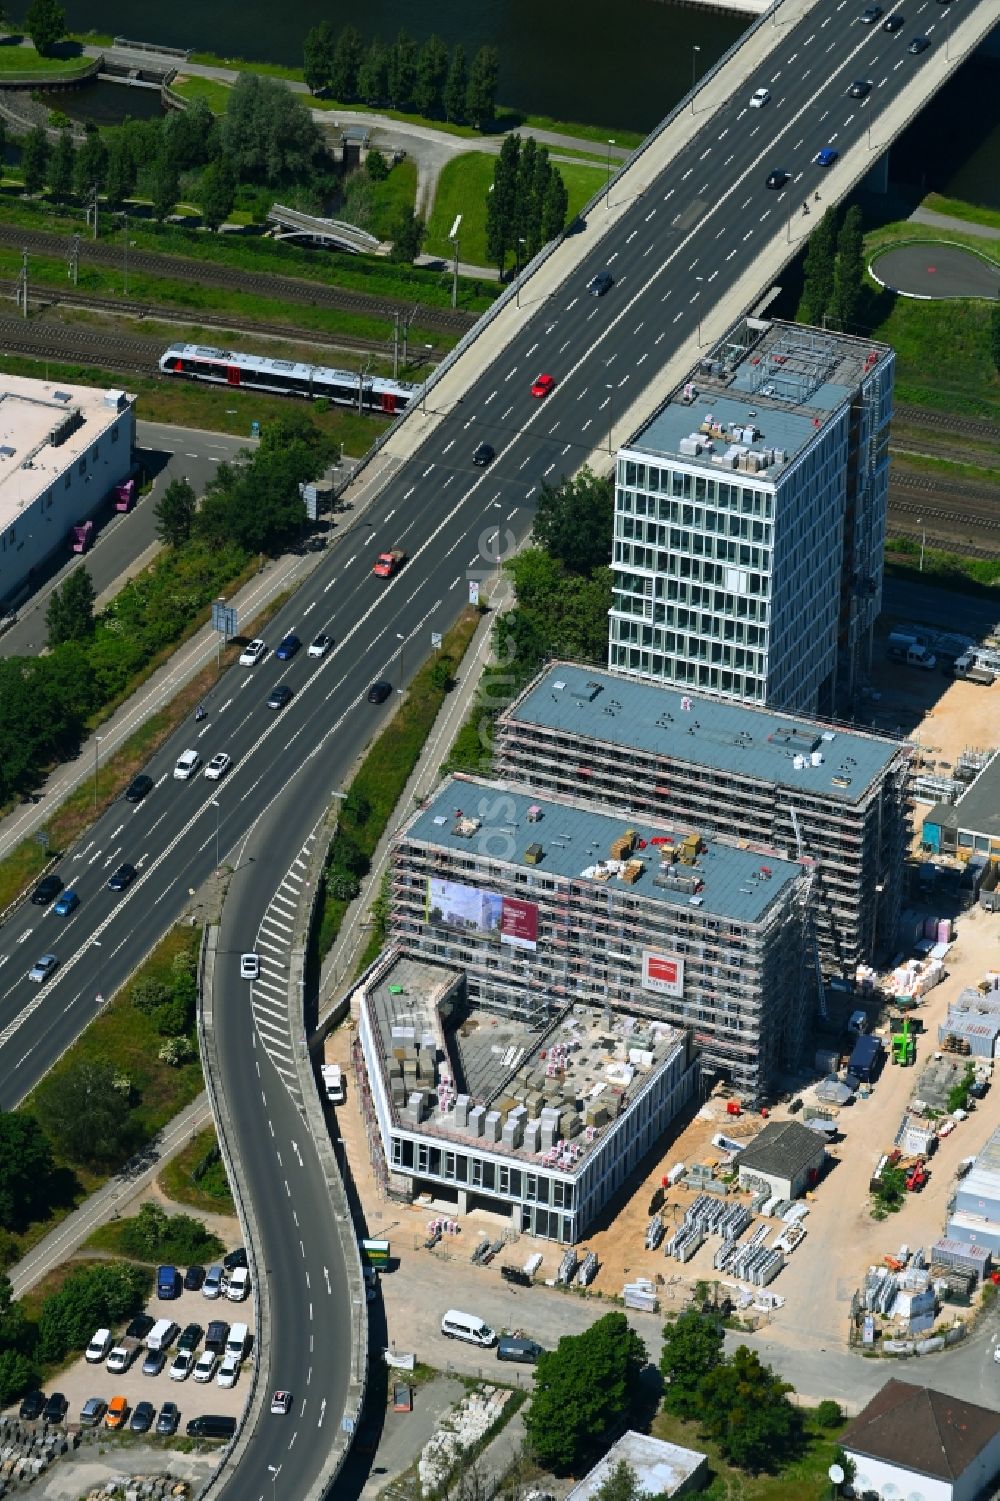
(782, 1150)
(732, 737)
(772, 386)
(499, 821)
(921, 1430)
(661, 1468)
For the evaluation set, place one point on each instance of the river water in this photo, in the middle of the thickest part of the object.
(623, 64)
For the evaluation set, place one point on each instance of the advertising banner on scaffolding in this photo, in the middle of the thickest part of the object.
(519, 923)
(450, 904)
(662, 973)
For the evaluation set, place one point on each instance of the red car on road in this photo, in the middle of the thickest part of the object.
(543, 385)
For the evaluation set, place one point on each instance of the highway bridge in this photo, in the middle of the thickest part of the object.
(691, 235)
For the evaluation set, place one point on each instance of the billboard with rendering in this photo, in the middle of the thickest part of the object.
(451, 904)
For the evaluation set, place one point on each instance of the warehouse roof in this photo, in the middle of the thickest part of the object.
(45, 429)
(921, 1430)
(782, 1150)
(977, 810)
(762, 744)
(498, 821)
(983, 1182)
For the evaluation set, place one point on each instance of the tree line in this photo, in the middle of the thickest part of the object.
(265, 140)
(426, 80)
(252, 506)
(526, 206)
(833, 272)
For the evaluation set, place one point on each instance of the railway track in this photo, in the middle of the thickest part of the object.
(933, 513)
(966, 427)
(118, 306)
(209, 273)
(975, 501)
(64, 342)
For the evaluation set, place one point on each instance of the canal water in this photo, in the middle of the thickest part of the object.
(622, 64)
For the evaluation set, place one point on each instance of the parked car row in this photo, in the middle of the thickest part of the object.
(229, 1278)
(115, 1414)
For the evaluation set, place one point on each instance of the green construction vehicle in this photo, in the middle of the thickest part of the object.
(904, 1046)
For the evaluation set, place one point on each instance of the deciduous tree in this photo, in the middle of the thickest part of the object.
(402, 74)
(995, 335)
(849, 272)
(89, 1298)
(267, 132)
(455, 87)
(574, 521)
(481, 94)
(346, 64)
(85, 1114)
(818, 269)
(408, 233)
(164, 187)
(91, 165)
(621, 1484)
(218, 192)
(35, 159)
(70, 613)
(745, 1408)
(26, 1169)
(502, 204)
(554, 207)
(175, 512)
(583, 1389)
(121, 176)
(45, 23)
(318, 53)
(692, 1348)
(432, 75)
(373, 73)
(61, 166)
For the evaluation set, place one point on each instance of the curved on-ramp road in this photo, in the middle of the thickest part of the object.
(935, 270)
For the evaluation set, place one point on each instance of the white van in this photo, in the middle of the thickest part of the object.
(236, 1344)
(458, 1325)
(162, 1334)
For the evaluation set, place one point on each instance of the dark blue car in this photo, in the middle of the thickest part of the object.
(288, 647)
(167, 1282)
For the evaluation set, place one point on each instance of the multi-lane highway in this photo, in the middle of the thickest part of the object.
(673, 252)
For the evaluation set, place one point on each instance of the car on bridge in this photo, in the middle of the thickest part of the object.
(918, 45)
(826, 157)
(601, 283)
(759, 98)
(860, 88)
(543, 384)
(252, 653)
(871, 15)
(777, 178)
(484, 454)
(319, 648)
(44, 967)
(287, 647)
(47, 888)
(123, 876)
(281, 1403)
(894, 23)
(279, 697)
(67, 903)
(218, 766)
(379, 692)
(139, 787)
(388, 563)
(187, 764)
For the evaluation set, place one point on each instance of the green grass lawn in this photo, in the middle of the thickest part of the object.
(805, 1479)
(398, 190)
(464, 187)
(16, 60)
(973, 213)
(190, 1178)
(215, 93)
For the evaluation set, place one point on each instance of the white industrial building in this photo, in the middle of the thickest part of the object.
(62, 449)
(785, 1157)
(750, 521)
(539, 1122)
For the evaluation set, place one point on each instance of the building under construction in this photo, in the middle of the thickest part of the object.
(833, 796)
(545, 901)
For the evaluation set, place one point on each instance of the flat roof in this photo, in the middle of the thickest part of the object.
(31, 413)
(767, 388)
(729, 736)
(584, 1065)
(575, 842)
(660, 1468)
(978, 809)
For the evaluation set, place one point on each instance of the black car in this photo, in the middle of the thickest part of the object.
(379, 692)
(871, 15)
(169, 1417)
(860, 88)
(140, 1326)
(123, 876)
(55, 1408)
(46, 891)
(484, 454)
(601, 283)
(234, 1259)
(142, 1417)
(216, 1335)
(777, 178)
(279, 696)
(138, 788)
(211, 1425)
(191, 1337)
(32, 1406)
(918, 45)
(893, 23)
(193, 1278)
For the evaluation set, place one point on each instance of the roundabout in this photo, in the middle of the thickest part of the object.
(935, 270)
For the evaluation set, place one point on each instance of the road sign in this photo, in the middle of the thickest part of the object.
(223, 618)
(41, 838)
(474, 593)
(436, 640)
(255, 429)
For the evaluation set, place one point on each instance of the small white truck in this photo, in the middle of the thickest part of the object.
(333, 1079)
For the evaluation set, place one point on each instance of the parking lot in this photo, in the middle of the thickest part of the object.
(82, 1380)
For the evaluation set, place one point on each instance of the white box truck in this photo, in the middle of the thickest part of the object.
(906, 648)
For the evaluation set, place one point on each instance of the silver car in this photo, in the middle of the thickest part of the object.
(43, 967)
(214, 1283)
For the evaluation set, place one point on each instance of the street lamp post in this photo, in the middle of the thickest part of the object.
(273, 1472)
(517, 295)
(607, 192)
(695, 49)
(402, 649)
(98, 945)
(923, 541)
(97, 746)
(218, 814)
(611, 413)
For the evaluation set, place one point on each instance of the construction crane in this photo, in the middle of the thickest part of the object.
(810, 924)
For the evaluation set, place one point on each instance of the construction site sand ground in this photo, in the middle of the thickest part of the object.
(842, 1239)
